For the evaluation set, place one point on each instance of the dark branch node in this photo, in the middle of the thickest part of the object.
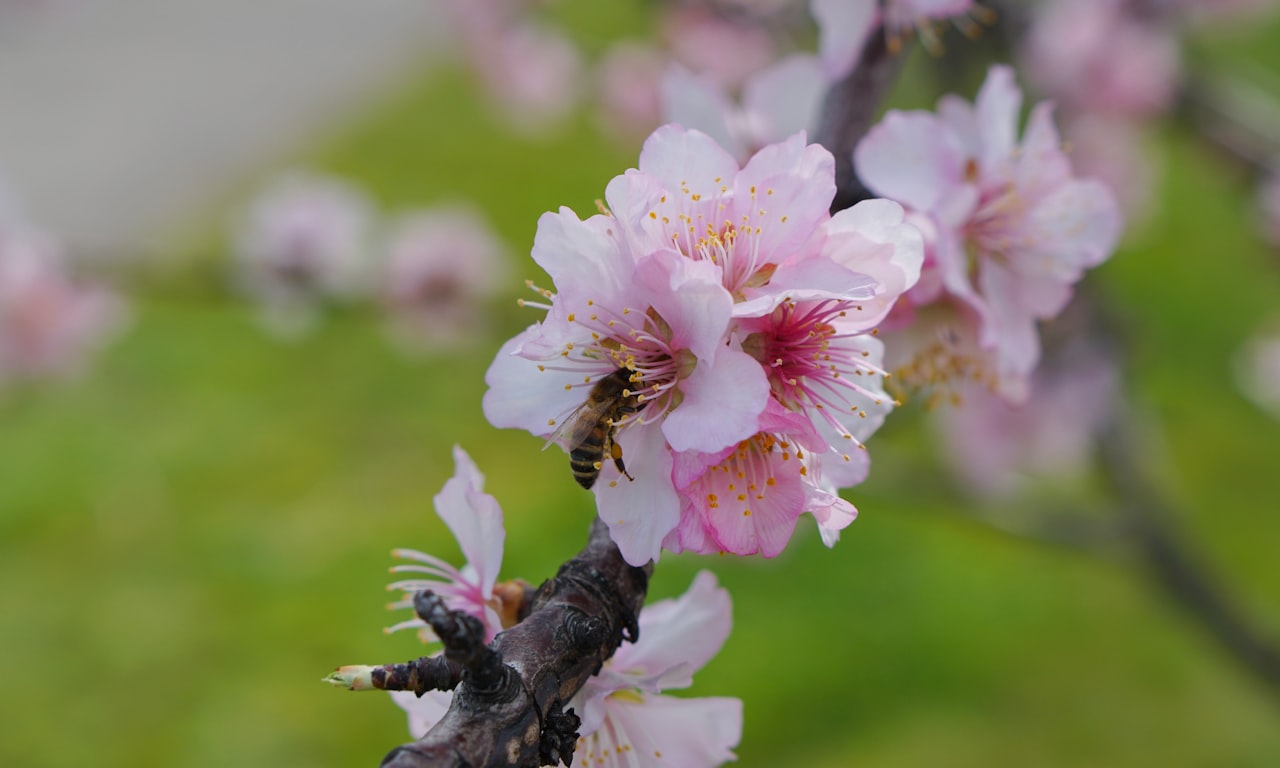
(559, 736)
(463, 638)
(428, 673)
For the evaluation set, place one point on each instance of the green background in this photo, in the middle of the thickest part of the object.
(198, 530)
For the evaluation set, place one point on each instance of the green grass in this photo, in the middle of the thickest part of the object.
(194, 534)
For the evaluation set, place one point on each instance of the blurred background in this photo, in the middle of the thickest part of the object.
(195, 526)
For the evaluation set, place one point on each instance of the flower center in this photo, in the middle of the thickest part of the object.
(813, 364)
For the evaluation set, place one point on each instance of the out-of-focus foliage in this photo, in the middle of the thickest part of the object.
(196, 532)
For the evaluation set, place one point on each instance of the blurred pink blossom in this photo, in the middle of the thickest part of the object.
(628, 90)
(303, 241)
(715, 46)
(50, 323)
(441, 265)
(1110, 149)
(1098, 55)
(776, 102)
(1010, 228)
(532, 73)
(843, 25)
(996, 448)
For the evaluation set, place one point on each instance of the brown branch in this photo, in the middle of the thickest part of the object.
(511, 714)
(849, 107)
(1146, 517)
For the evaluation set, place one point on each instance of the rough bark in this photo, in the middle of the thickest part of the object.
(509, 708)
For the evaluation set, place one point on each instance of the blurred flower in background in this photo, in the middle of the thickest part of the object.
(303, 242)
(530, 70)
(997, 448)
(50, 322)
(440, 265)
(1257, 369)
(1009, 227)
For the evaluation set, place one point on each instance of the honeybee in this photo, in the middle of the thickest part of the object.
(588, 433)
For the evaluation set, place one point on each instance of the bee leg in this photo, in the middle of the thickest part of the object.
(615, 453)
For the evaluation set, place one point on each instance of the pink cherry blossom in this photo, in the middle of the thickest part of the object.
(776, 102)
(303, 241)
(533, 74)
(698, 282)
(1100, 56)
(1010, 228)
(49, 322)
(441, 265)
(475, 519)
(843, 25)
(627, 724)
(719, 47)
(628, 90)
(530, 70)
(997, 448)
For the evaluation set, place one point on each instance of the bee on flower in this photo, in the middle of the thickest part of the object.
(743, 312)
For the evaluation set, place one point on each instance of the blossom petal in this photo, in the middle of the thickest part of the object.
(784, 193)
(997, 108)
(699, 103)
(687, 159)
(475, 518)
(785, 98)
(423, 711)
(678, 637)
(843, 26)
(723, 399)
(664, 732)
(641, 513)
(521, 395)
(910, 157)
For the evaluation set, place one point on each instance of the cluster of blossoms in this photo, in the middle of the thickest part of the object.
(307, 241)
(743, 314)
(626, 722)
(1009, 230)
(785, 95)
(1113, 66)
(50, 322)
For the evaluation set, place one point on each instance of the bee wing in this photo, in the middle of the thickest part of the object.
(575, 427)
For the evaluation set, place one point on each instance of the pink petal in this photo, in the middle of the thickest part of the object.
(701, 104)
(998, 107)
(785, 98)
(690, 297)
(723, 398)
(641, 513)
(424, 711)
(475, 519)
(910, 157)
(687, 159)
(785, 191)
(521, 396)
(665, 732)
(843, 26)
(580, 256)
(678, 637)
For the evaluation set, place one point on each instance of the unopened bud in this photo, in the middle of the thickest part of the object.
(353, 677)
